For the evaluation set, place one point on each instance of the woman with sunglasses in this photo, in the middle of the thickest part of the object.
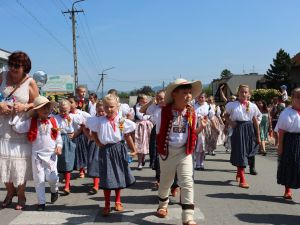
(17, 91)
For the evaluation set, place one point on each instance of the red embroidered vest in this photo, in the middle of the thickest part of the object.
(162, 139)
(33, 131)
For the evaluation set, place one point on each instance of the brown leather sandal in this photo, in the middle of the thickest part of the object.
(21, 204)
(162, 212)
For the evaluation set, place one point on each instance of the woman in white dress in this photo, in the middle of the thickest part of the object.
(17, 92)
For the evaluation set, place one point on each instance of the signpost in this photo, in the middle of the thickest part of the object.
(59, 83)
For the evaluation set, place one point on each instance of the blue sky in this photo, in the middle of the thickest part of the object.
(152, 41)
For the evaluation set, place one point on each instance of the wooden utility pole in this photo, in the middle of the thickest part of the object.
(73, 15)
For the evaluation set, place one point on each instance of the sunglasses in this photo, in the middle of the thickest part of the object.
(15, 65)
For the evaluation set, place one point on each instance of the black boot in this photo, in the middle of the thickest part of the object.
(251, 161)
(40, 207)
(54, 197)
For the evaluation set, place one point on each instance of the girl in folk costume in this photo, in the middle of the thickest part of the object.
(143, 130)
(67, 158)
(93, 149)
(213, 128)
(82, 104)
(288, 128)
(176, 139)
(46, 142)
(151, 108)
(202, 110)
(114, 171)
(243, 117)
(79, 138)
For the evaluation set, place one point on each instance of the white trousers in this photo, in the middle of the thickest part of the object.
(42, 175)
(181, 163)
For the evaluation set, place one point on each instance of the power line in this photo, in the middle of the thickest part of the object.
(44, 28)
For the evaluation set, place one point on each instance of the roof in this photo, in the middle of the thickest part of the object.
(4, 54)
(296, 59)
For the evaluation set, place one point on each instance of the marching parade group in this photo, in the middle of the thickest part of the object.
(178, 128)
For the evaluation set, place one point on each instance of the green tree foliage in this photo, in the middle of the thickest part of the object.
(279, 71)
(225, 74)
(147, 90)
(264, 94)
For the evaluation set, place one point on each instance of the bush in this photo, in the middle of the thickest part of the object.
(265, 94)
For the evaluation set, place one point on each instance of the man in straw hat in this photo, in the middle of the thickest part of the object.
(46, 145)
(176, 138)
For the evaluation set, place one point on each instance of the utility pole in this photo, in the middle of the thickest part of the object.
(163, 85)
(72, 12)
(102, 81)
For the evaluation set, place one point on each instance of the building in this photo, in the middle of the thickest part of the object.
(231, 84)
(4, 59)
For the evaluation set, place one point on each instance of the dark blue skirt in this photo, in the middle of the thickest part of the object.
(66, 160)
(288, 172)
(93, 159)
(81, 142)
(243, 143)
(114, 169)
(152, 147)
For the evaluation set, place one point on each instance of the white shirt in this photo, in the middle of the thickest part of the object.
(152, 110)
(179, 131)
(124, 110)
(80, 118)
(289, 120)
(92, 108)
(105, 131)
(66, 126)
(214, 110)
(285, 96)
(201, 110)
(140, 116)
(43, 145)
(238, 112)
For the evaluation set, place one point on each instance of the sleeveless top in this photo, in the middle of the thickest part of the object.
(20, 95)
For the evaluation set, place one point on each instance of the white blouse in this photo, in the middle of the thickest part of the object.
(66, 126)
(152, 110)
(80, 117)
(289, 120)
(201, 110)
(105, 131)
(238, 112)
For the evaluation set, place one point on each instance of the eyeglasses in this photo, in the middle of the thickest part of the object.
(15, 65)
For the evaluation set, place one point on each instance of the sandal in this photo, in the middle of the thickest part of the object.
(162, 212)
(244, 185)
(66, 191)
(287, 196)
(190, 222)
(93, 191)
(119, 207)
(21, 204)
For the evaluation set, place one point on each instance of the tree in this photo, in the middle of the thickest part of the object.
(279, 71)
(225, 74)
(147, 90)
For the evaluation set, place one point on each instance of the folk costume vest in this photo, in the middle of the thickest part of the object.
(162, 138)
(33, 131)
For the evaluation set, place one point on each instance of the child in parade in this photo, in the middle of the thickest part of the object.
(92, 104)
(288, 128)
(202, 112)
(109, 133)
(66, 160)
(143, 130)
(243, 117)
(151, 109)
(93, 149)
(82, 104)
(42, 131)
(79, 138)
(176, 139)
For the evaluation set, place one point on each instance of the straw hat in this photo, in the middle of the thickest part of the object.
(38, 102)
(196, 88)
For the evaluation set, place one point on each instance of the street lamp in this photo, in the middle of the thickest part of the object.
(102, 79)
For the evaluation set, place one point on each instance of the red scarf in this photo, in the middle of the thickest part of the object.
(166, 126)
(111, 120)
(33, 131)
(244, 103)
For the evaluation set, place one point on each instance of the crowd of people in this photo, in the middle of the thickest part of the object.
(178, 129)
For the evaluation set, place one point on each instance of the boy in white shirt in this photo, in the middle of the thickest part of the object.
(46, 145)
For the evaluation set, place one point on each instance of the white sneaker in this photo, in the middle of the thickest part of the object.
(140, 167)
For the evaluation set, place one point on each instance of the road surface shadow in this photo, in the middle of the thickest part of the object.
(276, 219)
